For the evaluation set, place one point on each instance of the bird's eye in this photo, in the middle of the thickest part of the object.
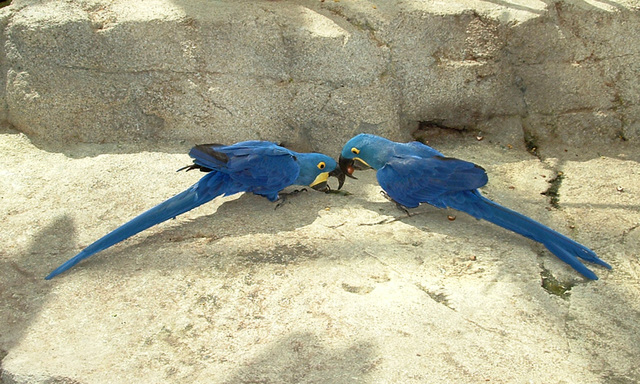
(321, 165)
(355, 150)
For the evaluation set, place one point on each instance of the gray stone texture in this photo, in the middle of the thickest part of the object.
(324, 289)
(313, 73)
(102, 100)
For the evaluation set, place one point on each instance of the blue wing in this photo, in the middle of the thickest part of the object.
(446, 182)
(216, 156)
(263, 167)
(411, 180)
(416, 148)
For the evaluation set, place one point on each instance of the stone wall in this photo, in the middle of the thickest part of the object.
(314, 73)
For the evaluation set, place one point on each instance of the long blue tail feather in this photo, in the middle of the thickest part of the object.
(560, 245)
(212, 185)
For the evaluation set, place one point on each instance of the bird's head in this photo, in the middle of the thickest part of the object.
(363, 151)
(315, 169)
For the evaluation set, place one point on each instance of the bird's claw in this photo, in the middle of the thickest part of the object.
(386, 195)
(282, 196)
(398, 205)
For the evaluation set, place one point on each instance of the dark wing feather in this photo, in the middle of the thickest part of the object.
(207, 157)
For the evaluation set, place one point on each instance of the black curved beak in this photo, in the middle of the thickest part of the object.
(338, 174)
(347, 167)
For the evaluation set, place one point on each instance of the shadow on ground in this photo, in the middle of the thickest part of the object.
(304, 358)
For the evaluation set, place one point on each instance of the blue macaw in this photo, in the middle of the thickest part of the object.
(259, 167)
(414, 173)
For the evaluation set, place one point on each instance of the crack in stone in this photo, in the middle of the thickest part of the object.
(496, 331)
(389, 220)
(553, 192)
(439, 298)
(552, 286)
(627, 231)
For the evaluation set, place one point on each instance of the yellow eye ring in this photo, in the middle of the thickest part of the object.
(321, 165)
(355, 150)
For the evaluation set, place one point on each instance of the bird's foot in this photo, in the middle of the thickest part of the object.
(398, 205)
(282, 196)
(386, 195)
(403, 209)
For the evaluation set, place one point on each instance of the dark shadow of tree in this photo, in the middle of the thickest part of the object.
(514, 5)
(247, 215)
(23, 290)
(303, 358)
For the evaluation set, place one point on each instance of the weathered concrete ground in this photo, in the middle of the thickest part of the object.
(325, 289)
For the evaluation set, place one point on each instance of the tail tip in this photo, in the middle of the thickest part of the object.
(55, 273)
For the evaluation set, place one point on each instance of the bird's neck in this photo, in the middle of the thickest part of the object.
(383, 154)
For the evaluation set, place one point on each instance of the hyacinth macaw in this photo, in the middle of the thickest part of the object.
(414, 173)
(259, 167)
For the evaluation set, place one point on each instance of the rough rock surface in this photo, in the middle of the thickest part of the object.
(325, 289)
(102, 100)
(312, 73)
